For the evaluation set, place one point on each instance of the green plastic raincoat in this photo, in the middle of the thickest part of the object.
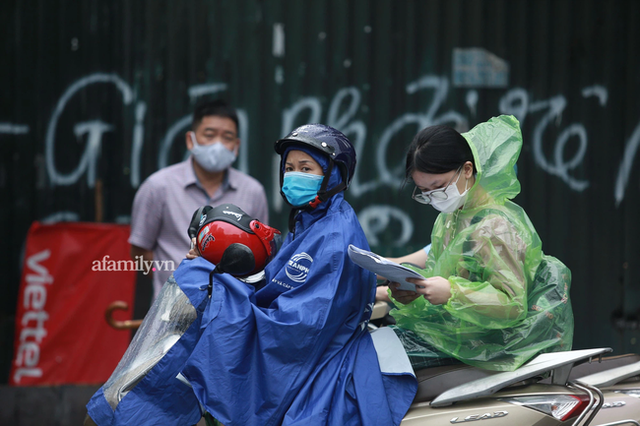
(508, 301)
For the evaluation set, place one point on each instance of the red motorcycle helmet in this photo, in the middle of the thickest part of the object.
(218, 228)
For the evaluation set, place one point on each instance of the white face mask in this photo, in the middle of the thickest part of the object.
(454, 198)
(214, 157)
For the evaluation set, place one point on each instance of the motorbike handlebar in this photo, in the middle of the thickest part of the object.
(120, 325)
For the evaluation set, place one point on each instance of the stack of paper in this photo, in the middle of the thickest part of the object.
(384, 267)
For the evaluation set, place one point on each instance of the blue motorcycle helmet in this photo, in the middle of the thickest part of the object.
(330, 144)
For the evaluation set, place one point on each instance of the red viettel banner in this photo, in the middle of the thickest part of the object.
(61, 333)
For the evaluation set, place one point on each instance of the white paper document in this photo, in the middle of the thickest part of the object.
(384, 267)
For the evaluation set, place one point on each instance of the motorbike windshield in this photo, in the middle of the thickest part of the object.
(169, 317)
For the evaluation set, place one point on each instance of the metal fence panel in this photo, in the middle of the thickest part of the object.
(96, 96)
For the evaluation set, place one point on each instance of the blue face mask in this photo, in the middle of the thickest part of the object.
(301, 188)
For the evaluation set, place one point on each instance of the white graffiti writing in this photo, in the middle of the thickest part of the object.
(94, 129)
(14, 129)
(376, 218)
(627, 162)
(561, 156)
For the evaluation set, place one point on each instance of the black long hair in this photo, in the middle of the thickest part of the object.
(437, 149)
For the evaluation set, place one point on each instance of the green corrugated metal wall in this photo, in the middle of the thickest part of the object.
(125, 74)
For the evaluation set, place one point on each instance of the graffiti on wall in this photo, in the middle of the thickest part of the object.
(342, 113)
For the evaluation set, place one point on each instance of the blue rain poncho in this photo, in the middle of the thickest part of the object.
(509, 301)
(298, 352)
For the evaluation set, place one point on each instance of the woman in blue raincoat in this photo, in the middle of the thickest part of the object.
(490, 297)
(298, 351)
(295, 352)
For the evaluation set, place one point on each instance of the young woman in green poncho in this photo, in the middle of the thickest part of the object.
(489, 297)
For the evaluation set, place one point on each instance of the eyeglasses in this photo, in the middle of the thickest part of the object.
(437, 194)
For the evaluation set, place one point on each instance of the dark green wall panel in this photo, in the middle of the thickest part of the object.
(127, 74)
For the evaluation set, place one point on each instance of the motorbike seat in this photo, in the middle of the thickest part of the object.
(433, 381)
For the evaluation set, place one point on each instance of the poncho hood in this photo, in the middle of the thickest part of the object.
(496, 146)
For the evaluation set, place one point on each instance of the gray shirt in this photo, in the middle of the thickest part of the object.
(165, 202)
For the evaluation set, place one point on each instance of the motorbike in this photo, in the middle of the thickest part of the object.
(542, 392)
(579, 387)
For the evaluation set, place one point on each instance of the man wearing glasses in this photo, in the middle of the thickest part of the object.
(166, 200)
